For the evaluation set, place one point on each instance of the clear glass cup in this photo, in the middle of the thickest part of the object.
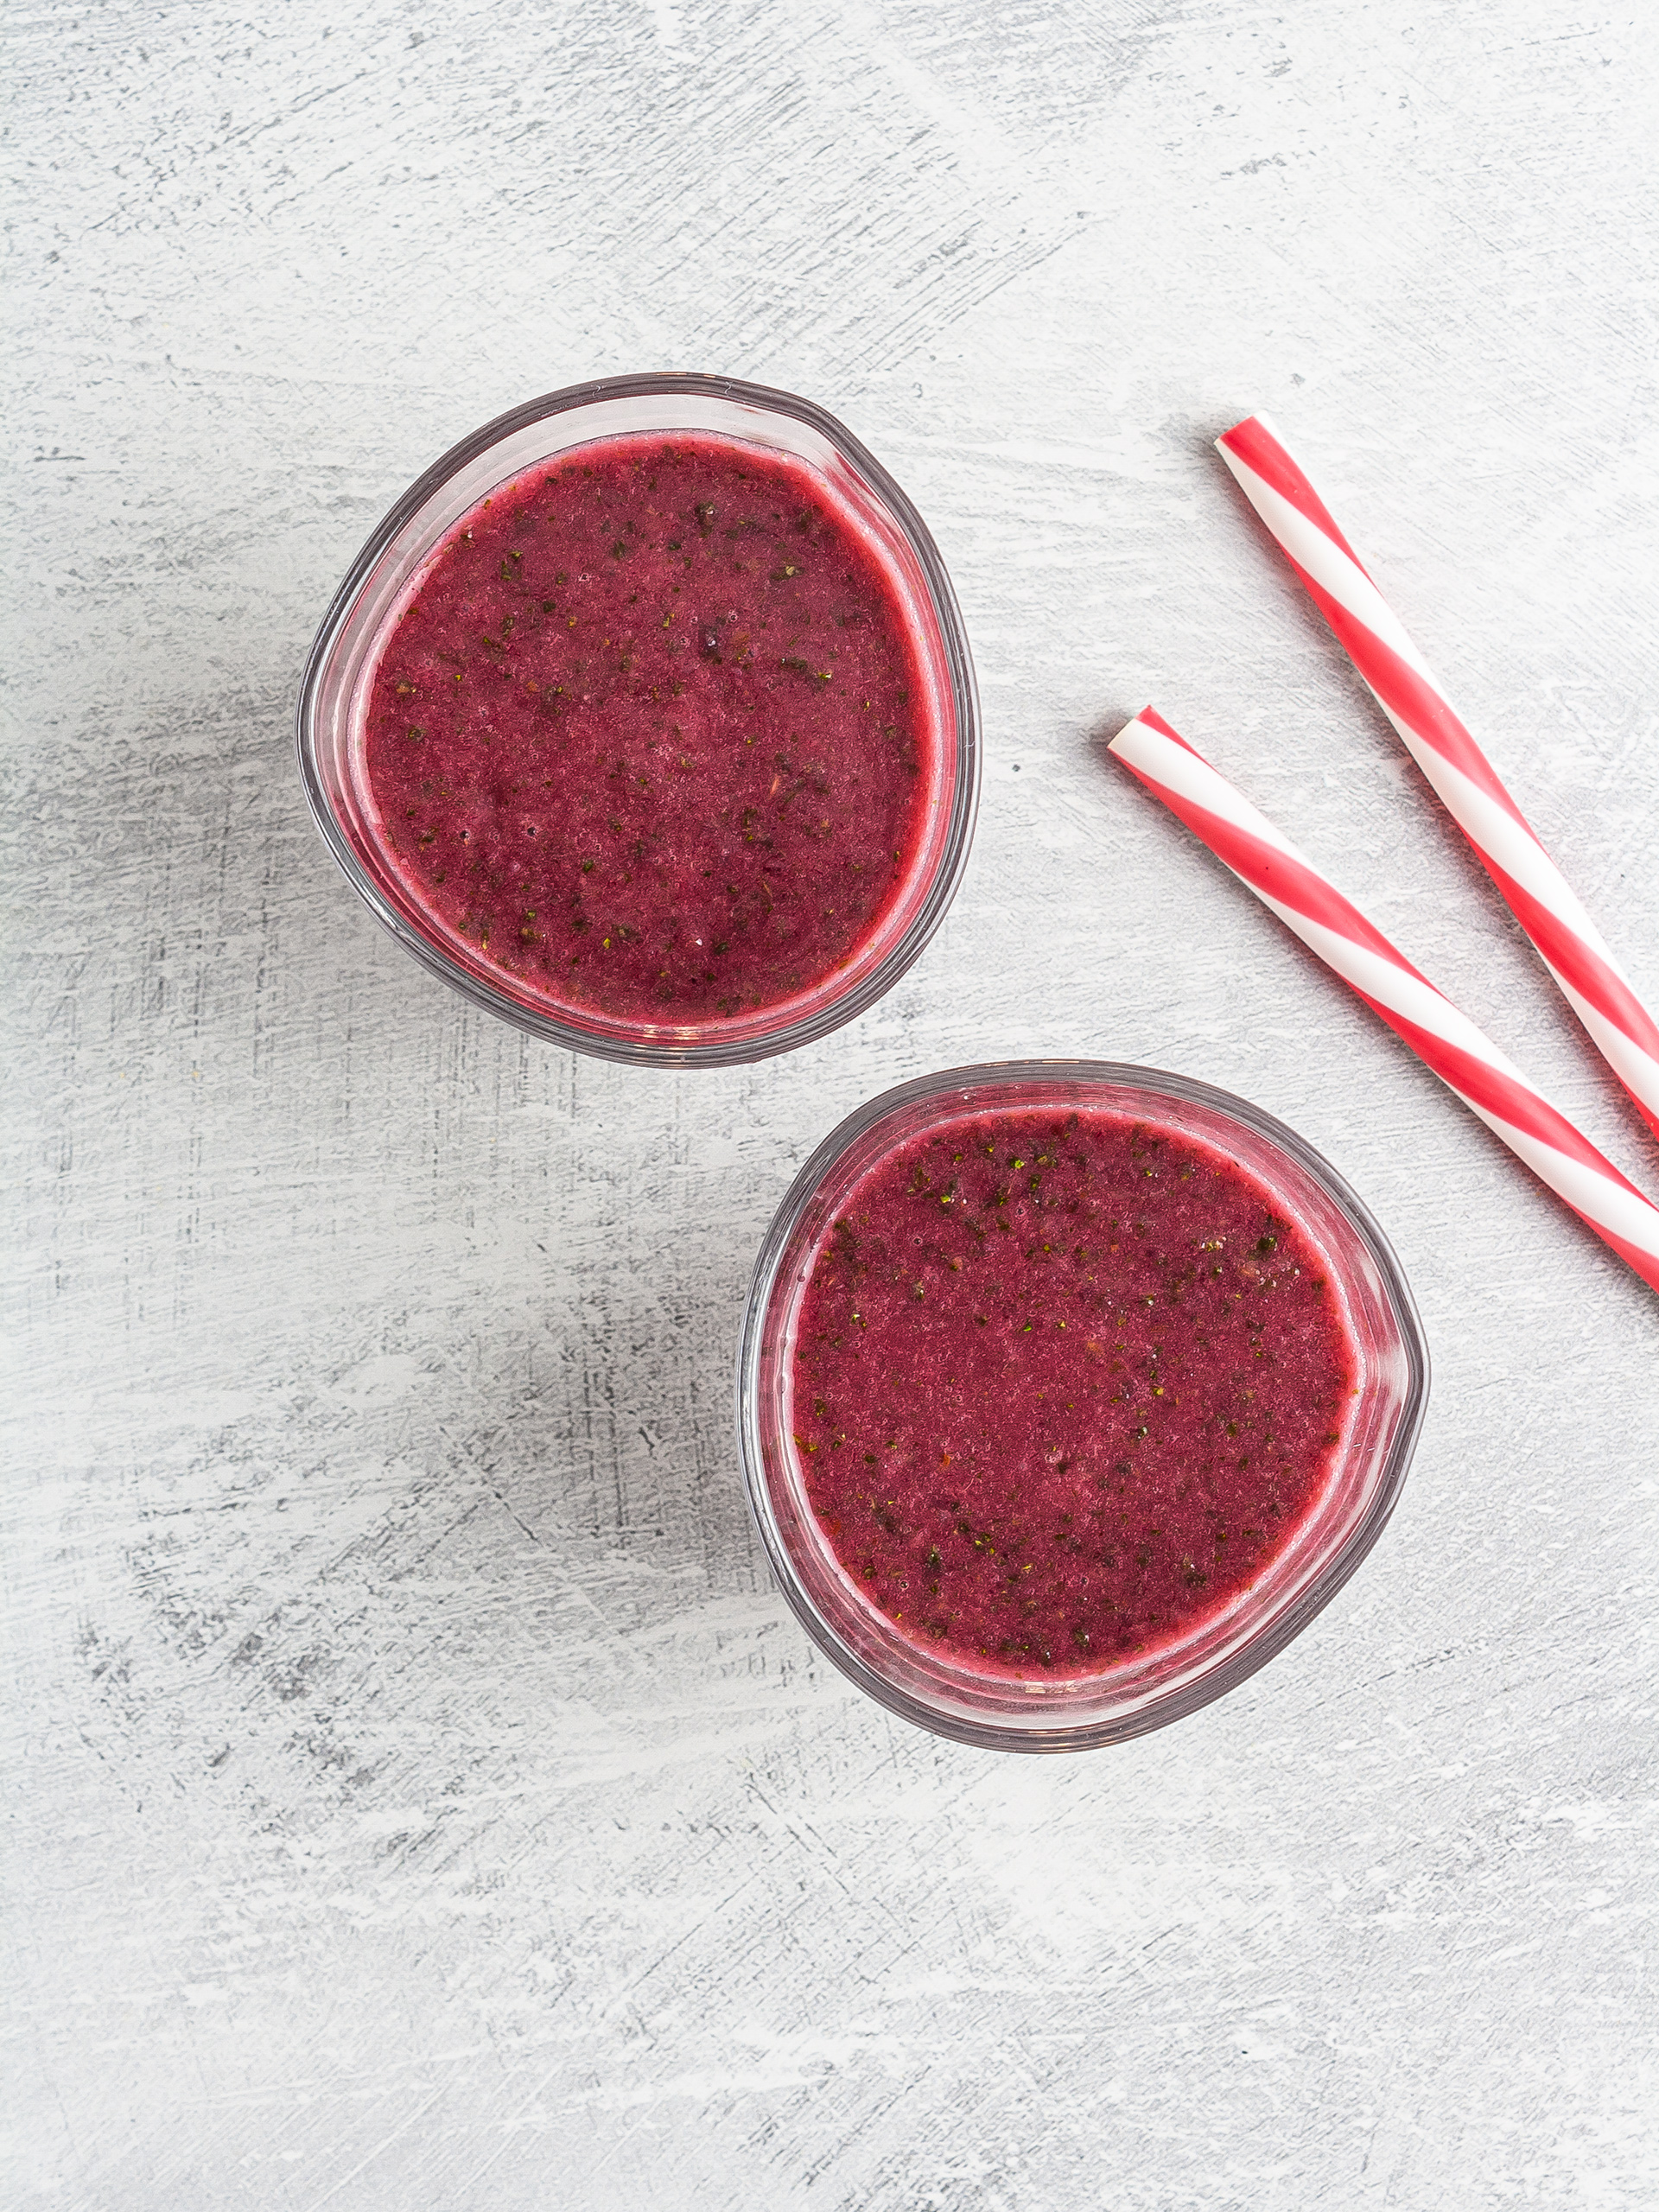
(334, 692)
(1167, 1684)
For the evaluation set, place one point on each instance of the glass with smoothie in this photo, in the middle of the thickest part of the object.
(1068, 1394)
(646, 718)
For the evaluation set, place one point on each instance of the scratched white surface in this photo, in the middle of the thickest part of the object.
(417, 1798)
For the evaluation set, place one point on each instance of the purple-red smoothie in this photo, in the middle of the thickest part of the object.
(1064, 1383)
(651, 736)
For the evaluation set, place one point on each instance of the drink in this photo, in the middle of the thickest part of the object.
(1064, 1382)
(1068, 1394)
(646, 720)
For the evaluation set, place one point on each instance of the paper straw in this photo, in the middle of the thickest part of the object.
(1445, 1040)
(1572, 949)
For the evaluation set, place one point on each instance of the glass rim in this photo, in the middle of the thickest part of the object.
(727, 1050)
(1277, 1630)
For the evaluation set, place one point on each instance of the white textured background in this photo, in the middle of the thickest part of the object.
(417, 1800)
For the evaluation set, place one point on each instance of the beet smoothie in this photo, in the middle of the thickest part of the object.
(1063, 1384)
(651, 735)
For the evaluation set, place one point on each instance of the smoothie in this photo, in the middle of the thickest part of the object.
(1063, 1384)
(651, 735)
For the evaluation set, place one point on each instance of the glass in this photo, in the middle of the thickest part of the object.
(1174, 1680)
(334, 692)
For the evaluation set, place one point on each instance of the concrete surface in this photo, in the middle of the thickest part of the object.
(417, 1795)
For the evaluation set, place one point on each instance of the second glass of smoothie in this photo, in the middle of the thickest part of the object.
(1068, 1394)
(647, 720)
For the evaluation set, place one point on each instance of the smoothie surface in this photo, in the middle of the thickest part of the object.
(1064, 1383)
(653, 735)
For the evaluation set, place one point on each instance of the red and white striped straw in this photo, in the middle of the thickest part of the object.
(1573, 950)
(1445, 1040)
